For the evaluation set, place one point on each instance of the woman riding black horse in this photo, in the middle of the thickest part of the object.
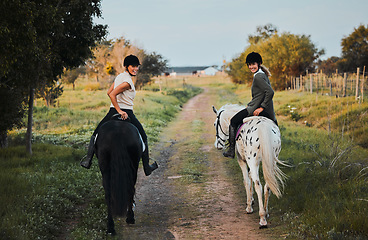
(122, 93)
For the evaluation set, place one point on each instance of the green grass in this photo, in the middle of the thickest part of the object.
(41, 190)
(326, 191)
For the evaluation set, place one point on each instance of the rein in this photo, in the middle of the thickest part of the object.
(218, 126)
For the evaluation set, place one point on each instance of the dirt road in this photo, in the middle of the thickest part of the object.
(174, 203)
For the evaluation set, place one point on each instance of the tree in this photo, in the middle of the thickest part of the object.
(12, 111)
(152, 65)
(262, 33)
(109, 57)
(50, 93)
(329, 65)
(54, 35)
(284, 54)
(71, 75)
(355, 49)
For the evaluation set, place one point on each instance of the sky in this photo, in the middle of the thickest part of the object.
(207, 32)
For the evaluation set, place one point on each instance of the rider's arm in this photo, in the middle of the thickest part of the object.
(110, 89)
(114, 92)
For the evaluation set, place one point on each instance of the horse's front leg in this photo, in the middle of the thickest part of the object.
(253, 164)
(247, 184)
(130, 215)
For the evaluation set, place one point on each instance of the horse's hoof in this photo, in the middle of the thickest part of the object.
(130, 220)
(262, 226)
(111, 232)
(249, 210)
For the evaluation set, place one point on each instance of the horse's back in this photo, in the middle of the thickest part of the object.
(117, 135)
(250, 134)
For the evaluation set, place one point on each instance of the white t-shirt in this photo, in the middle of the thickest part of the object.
(125, 99)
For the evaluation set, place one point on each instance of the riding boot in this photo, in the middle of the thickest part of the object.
(87, 160)
(148, 169)
(231, 150)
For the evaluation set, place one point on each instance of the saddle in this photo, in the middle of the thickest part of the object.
(249, 120)
(117, 117)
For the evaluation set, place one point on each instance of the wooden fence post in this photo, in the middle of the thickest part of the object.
(330, 86)
(357, 85)
(362, 87)
(344, 83)
(301, 83)
(311, 83)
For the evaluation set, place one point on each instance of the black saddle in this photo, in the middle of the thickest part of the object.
(117, 116)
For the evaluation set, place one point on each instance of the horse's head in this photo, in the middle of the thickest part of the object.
(222, 122)
(222, 131)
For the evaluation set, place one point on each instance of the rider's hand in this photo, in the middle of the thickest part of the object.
(257, 111)
(123, 114)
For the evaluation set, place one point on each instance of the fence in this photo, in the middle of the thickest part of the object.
(338, 84)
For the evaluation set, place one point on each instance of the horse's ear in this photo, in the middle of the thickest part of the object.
(214, 109)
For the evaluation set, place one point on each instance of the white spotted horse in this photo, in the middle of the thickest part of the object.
(119, 148)
(257, 140)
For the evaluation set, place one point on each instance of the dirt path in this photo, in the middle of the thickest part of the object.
(168, 207)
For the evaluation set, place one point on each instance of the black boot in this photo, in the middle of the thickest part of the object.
(87, 160)
(148, 169)
(231, 150)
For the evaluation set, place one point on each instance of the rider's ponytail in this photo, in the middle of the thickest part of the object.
(265, 70)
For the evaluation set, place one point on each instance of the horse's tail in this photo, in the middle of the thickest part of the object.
(122, 183)
(273, 175)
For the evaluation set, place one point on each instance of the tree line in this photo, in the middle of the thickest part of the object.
(107, 60)
(288, 55)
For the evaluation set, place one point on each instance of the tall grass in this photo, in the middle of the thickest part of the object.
(326, 194)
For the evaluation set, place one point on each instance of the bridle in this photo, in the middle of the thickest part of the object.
(218, 127)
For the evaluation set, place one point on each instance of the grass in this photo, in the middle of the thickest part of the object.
(326, 193)
(41, 190)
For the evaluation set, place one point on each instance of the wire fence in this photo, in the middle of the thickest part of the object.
(338, 84)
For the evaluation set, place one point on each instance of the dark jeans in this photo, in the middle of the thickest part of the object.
(132, 117)
(237, 119)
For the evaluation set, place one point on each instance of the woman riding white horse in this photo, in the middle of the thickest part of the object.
(261, 103)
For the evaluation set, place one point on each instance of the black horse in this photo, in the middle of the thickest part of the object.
(118, 149)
